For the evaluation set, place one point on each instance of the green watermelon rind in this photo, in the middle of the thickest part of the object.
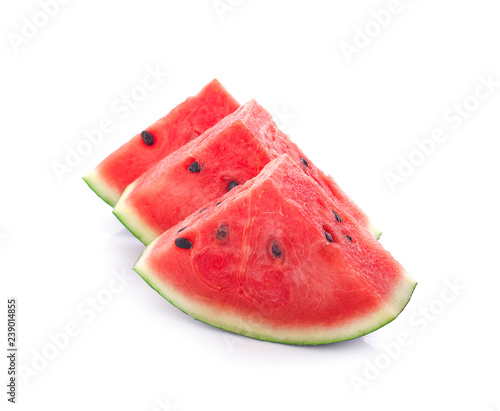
(131, 219)
(398, 302)
(98, 186)
(373, 230)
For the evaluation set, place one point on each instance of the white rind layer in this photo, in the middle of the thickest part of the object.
(131, 219)
(264, 330)
(98, 185)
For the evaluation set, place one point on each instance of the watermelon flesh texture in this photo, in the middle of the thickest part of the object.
(232, 152)
(271, 260)
(185, 122)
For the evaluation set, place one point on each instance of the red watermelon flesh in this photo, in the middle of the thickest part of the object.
(185, 122)
(272, 260)
(230, 153)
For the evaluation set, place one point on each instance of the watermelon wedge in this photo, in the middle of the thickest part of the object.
(278, 259)
(185, 122)
(233, 151)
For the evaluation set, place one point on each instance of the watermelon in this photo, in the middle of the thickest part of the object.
(185, 122)
(278, 259)
(228, 154)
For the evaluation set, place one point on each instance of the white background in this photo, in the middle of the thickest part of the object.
(357, 120)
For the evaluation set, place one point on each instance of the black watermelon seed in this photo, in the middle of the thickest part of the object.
(201, 211)
(183, 243)
(231, 185)
(194, 167)
(147, 138)
(349, 238)
(275, 248)
(328, 236)
(304, 161)
(337, 217)
(222, 232)
(182, 229)
(220, 202)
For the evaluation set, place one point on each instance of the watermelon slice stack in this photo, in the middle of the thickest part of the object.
(230, 153)
(244, 232)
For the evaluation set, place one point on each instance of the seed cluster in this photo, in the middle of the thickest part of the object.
(195, 167)
(222, 231)
(339, 219)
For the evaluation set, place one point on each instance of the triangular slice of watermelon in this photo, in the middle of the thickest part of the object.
(230, 153)
(277, 259)
(186, 121)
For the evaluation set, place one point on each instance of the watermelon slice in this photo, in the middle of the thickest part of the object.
(278, 259)
(185, 122)
(228, 154)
